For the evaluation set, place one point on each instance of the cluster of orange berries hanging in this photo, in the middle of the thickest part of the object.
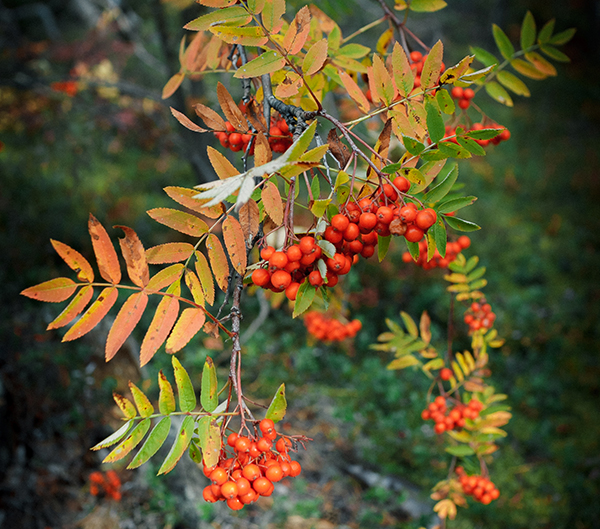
(328, 329)
(479, 316)
(482, 489)
(250, 469)
(280, 137)
(437, 261)
(109, 484)
(463, 96)
(450, 419)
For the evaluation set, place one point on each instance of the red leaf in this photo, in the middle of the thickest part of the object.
(206, 277)
(218, 261)
(179, 220)
(236, 245)
(135, 257)
(126, 320)
(165, 277)
(75, 260)
(186, 122)
(170, 252)
(93, 315)
(159, 329)
(73, 309)
(108, 262)
(272, 202)
(190, 322)
(185, 196)
(53, 291)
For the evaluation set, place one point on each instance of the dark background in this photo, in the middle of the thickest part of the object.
(111, 153)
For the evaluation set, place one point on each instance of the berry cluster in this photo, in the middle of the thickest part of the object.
(329, 329)
(463, 95)
(456, 416)
(482, 489)
(240, 478)
(67, 87)
(280, 137)
(437, 261)
(503, 136)
(479, 315)
(109, 484)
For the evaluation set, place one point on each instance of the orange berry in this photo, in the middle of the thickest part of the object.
(274, 473)
(235, 504)
(307, 245)
(367, 221)
(425, 219)
(232, 438)
(261, 485)
(446, 373)
(294, 253)
(295, 469)
(281, 279)
(292, 291)
(229, 490)
(413, 234)
(339, 222)
(457, 92)
(208, 495)
(218, 476)
(278, 260)
(315, 278)
(267, 252)
(242, 445)
(401, 184)
(251, 472)
(351, 232)
(266, 426)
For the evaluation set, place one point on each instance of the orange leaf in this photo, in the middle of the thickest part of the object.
(235, 243)
(222, 166)
(73, 309)
(431, 68)
(354, 91)
(93, 315)
(186, 122)
(262, 150)
(209, 116)
(190, 322)
(290, 86)
(160, 327)
(382, 81)
(172, 85)
(53, 291)
(271, 15)
(184, 196)
(170, 252)
(206, 277)
(231, 110)
(218, 261)
(272, 202)
(108, 262)
(194, 286)
(296, 36)
(135, 257)
(165, 277)
(403, 74)
(315, 57)
(250, 219)
(75, 260)
(126, 320)
(179, 220)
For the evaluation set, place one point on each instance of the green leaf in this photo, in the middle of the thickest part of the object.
(484, 57)
(494, 409)
(451, 150)
(209, 435)
(278, 405)
(184, 436)
(319, 207)
(445, 102)
(546, 32)
(528, 31)
(455, 204)
(461, 224)
(299, 147)
(115, 437)
(555, 54)
(443, 188)
(413, 146)
(383, 244)
(403, 74)
(460, 450)
(471, 145)
(413, 249)
(527, 69)
(427, 6)
(132, 440)
(209, 393)
(410, 324)
(474, 76)
(563, 37)
(402, 362)
(315, 57)
(235, 15)
(476, 285)
(187, 397)
(155, 440)
(392, 168)
(471, 263)
(436, 363)
(341, 178)
(513, 83)
(268, 62)
(195, 453)
(166, 398)
(141, 401)
(440, 236)
(483, 134)
(435, 122)
(304, 298)
(315, 187)
(354, 51)
(495, 91)
(504, 44)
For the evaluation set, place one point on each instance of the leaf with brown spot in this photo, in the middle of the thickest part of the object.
(271, 200)
(135, 257)
(235, 243)
(125, 405)
(170, 252)
(218, 261)
(230, 109)
(93, 315)
(290, 86)
(161, 325)
(106, 256)
(194, 286)
(188, 325)
(250, 220)
(296, 36)
(222, 166)
(126, 320)
(339, 151)
(76, 262)
(73, 309)
(211, 328)
(262, 150)
(382, 81)
(206, 277)
(179, 220)
(185, 197)
(186, 122)
(403, 74)
(432, 66)
(53, 291)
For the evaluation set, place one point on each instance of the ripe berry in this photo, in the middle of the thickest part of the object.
(266, 426)
(413, 234)
(457, 92)
(351, 232)
(231, 439)
(367, 221)
(274, 473)
(235, 504)
(267, 252)
(307, 245)
(385, 215)
(407, 214)
(295, 469)
(315, 279)
(261, 485)
(294, 253)
(229, 490)
(401, 184)
(446, 373)
(218, 476)
(425, 219)
(332, 235)
(464, 241)
(278, 260)
(281, 279)
(292, 291)
(208, 495)
(251, 472)
(340, 222)
(469, 93)
(242, 445)
(416, 56)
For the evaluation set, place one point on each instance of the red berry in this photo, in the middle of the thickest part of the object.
(401, 184)
(340, 222)
(315, 278)
(367, 221)
(446, 373)
(281, 279)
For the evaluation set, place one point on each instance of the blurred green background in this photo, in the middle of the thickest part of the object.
(111, 149)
